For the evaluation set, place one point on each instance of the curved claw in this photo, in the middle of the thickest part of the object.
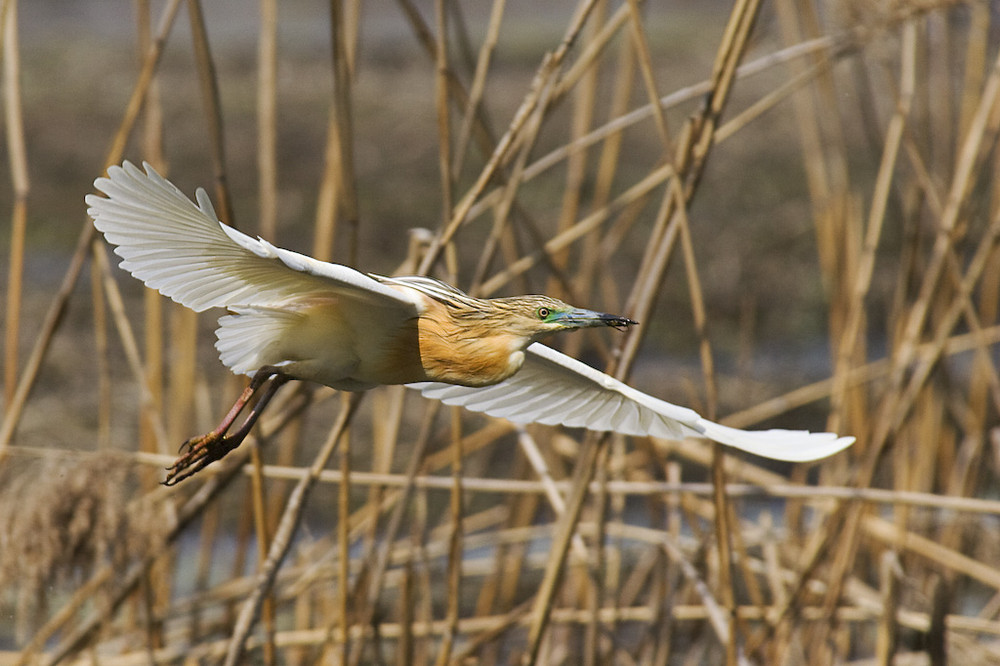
(200, 452)
(185, 448)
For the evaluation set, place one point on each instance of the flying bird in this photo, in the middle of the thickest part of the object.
(294, 317)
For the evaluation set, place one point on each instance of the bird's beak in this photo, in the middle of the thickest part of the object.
(578, 318)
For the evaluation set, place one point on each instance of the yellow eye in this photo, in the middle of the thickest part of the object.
(543, 313)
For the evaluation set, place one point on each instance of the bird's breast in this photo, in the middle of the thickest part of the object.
(479, 362)
(457, 354)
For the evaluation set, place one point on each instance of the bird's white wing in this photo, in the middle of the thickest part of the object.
(555, 389)
(184, 252)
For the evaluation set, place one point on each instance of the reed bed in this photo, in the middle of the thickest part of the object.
(796, 199)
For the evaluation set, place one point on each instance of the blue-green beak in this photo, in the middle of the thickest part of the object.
(579, 318)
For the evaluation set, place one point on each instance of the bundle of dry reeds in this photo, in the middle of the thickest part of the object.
(796, 199)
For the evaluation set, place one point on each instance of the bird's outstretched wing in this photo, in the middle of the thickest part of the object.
(184, 252)
(555, 389)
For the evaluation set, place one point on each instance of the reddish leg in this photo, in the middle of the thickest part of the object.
(199, 451)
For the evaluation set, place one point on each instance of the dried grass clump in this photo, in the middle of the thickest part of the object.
(60, 520)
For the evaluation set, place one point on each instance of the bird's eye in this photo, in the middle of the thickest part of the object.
(543, 313)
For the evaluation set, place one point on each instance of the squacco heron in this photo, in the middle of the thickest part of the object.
(293, 317)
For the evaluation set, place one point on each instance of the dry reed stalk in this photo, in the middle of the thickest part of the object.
(851, 323)
(385, 437)
(60, 300)
(470, 113)
(128, 339)
(891, 534)
(937, 630)
(692, 155)
(488, 628)
(343, 613)
(853, 327)
(870, 372)
(888, 628)
(153, 303)
(338, 202)
(284, 533)
(262, 530)
(101, 350)
(18, 159)
(595, 595)
(958, 191)
(543, 77)
(584, 226)
(267, 119)
(594, 449)
(624, 120)
(442, 106)
(768, 485)
(825, 167)
(604, 176)
(209, 82)
(583, 101)
(455, 541)
(502, 212)
(645, 59)
(369, 587)
(481, 127)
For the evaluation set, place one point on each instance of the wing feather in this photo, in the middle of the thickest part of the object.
(183, 251)
(554, 389)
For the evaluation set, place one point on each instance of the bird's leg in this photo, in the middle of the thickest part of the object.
(199, 451)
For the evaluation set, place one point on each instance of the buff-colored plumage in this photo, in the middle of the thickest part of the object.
(307, 319)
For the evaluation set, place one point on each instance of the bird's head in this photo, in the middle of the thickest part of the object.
(535, 317)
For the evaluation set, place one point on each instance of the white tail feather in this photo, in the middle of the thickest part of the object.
(252, 337)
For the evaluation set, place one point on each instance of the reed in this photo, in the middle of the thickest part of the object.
(796, 200)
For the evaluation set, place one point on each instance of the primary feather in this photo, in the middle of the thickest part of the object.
(555, 389)
(184, 252)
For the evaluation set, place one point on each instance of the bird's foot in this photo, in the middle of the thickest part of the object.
(198, 452)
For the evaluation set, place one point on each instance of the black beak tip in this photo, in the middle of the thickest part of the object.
(619, 322)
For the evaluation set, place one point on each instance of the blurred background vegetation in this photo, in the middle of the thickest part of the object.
(805, 224)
